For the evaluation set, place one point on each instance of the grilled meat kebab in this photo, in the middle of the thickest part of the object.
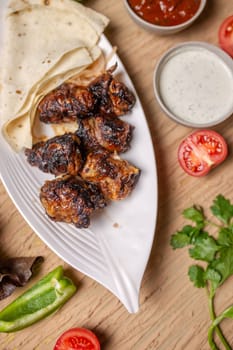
(65, 103)
(104, 95)
(114, 97)
(58, 155)
(71, 199)
(112, 134)
(92, 171)
(115, 176)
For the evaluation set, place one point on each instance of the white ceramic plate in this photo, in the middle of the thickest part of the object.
(115, 249)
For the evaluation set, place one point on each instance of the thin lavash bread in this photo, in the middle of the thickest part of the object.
(45, 43)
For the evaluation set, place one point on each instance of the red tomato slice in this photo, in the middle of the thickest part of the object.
(77, 339)
(225, 35)
(201, 151)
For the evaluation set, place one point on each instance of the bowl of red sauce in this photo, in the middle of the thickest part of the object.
(165, 16)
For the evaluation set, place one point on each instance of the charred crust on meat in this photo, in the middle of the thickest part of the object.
(104, 95)
(114, 135)
(58, 155)
(71, 199)
(115, 176)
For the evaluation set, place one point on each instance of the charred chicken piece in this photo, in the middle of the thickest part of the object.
(114, 97)
(72, 200)
(104, 95)
(112, 134)
(65, 103)
(115, 176)
(58, 155)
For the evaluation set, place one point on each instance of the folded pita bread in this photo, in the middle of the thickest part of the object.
(45, 43)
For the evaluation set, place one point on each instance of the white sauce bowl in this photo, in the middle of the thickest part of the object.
(193, 84)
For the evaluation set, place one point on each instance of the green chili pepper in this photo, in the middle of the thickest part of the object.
(45, 297)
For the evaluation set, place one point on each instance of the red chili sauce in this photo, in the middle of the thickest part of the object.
(165, 12)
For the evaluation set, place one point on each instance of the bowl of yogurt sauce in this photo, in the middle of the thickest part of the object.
(193, 84)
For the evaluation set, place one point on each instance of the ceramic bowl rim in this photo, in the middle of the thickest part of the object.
(166, 28)
(159, 66)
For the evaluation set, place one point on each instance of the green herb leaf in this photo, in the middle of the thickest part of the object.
(204, 249)
(216, 252)
(197, 276)
(213, 276)
(198, 236)
(224, 263)
(222, 209)
(196, 215)
(179, 240)
(225, 237)
(182, 238)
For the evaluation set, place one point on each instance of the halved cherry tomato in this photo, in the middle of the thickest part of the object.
(77, 339)
(201, 151)
(225, 35)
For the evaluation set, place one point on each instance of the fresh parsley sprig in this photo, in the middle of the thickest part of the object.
(216, 251)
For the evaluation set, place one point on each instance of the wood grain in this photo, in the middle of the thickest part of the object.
(173, 314)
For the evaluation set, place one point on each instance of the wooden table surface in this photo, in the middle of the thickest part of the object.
(173, 314)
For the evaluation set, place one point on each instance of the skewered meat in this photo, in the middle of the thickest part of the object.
(65, 103)
(58, 155)
(105, 95)
(112, 134)
(115, 176)
(72, 200)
